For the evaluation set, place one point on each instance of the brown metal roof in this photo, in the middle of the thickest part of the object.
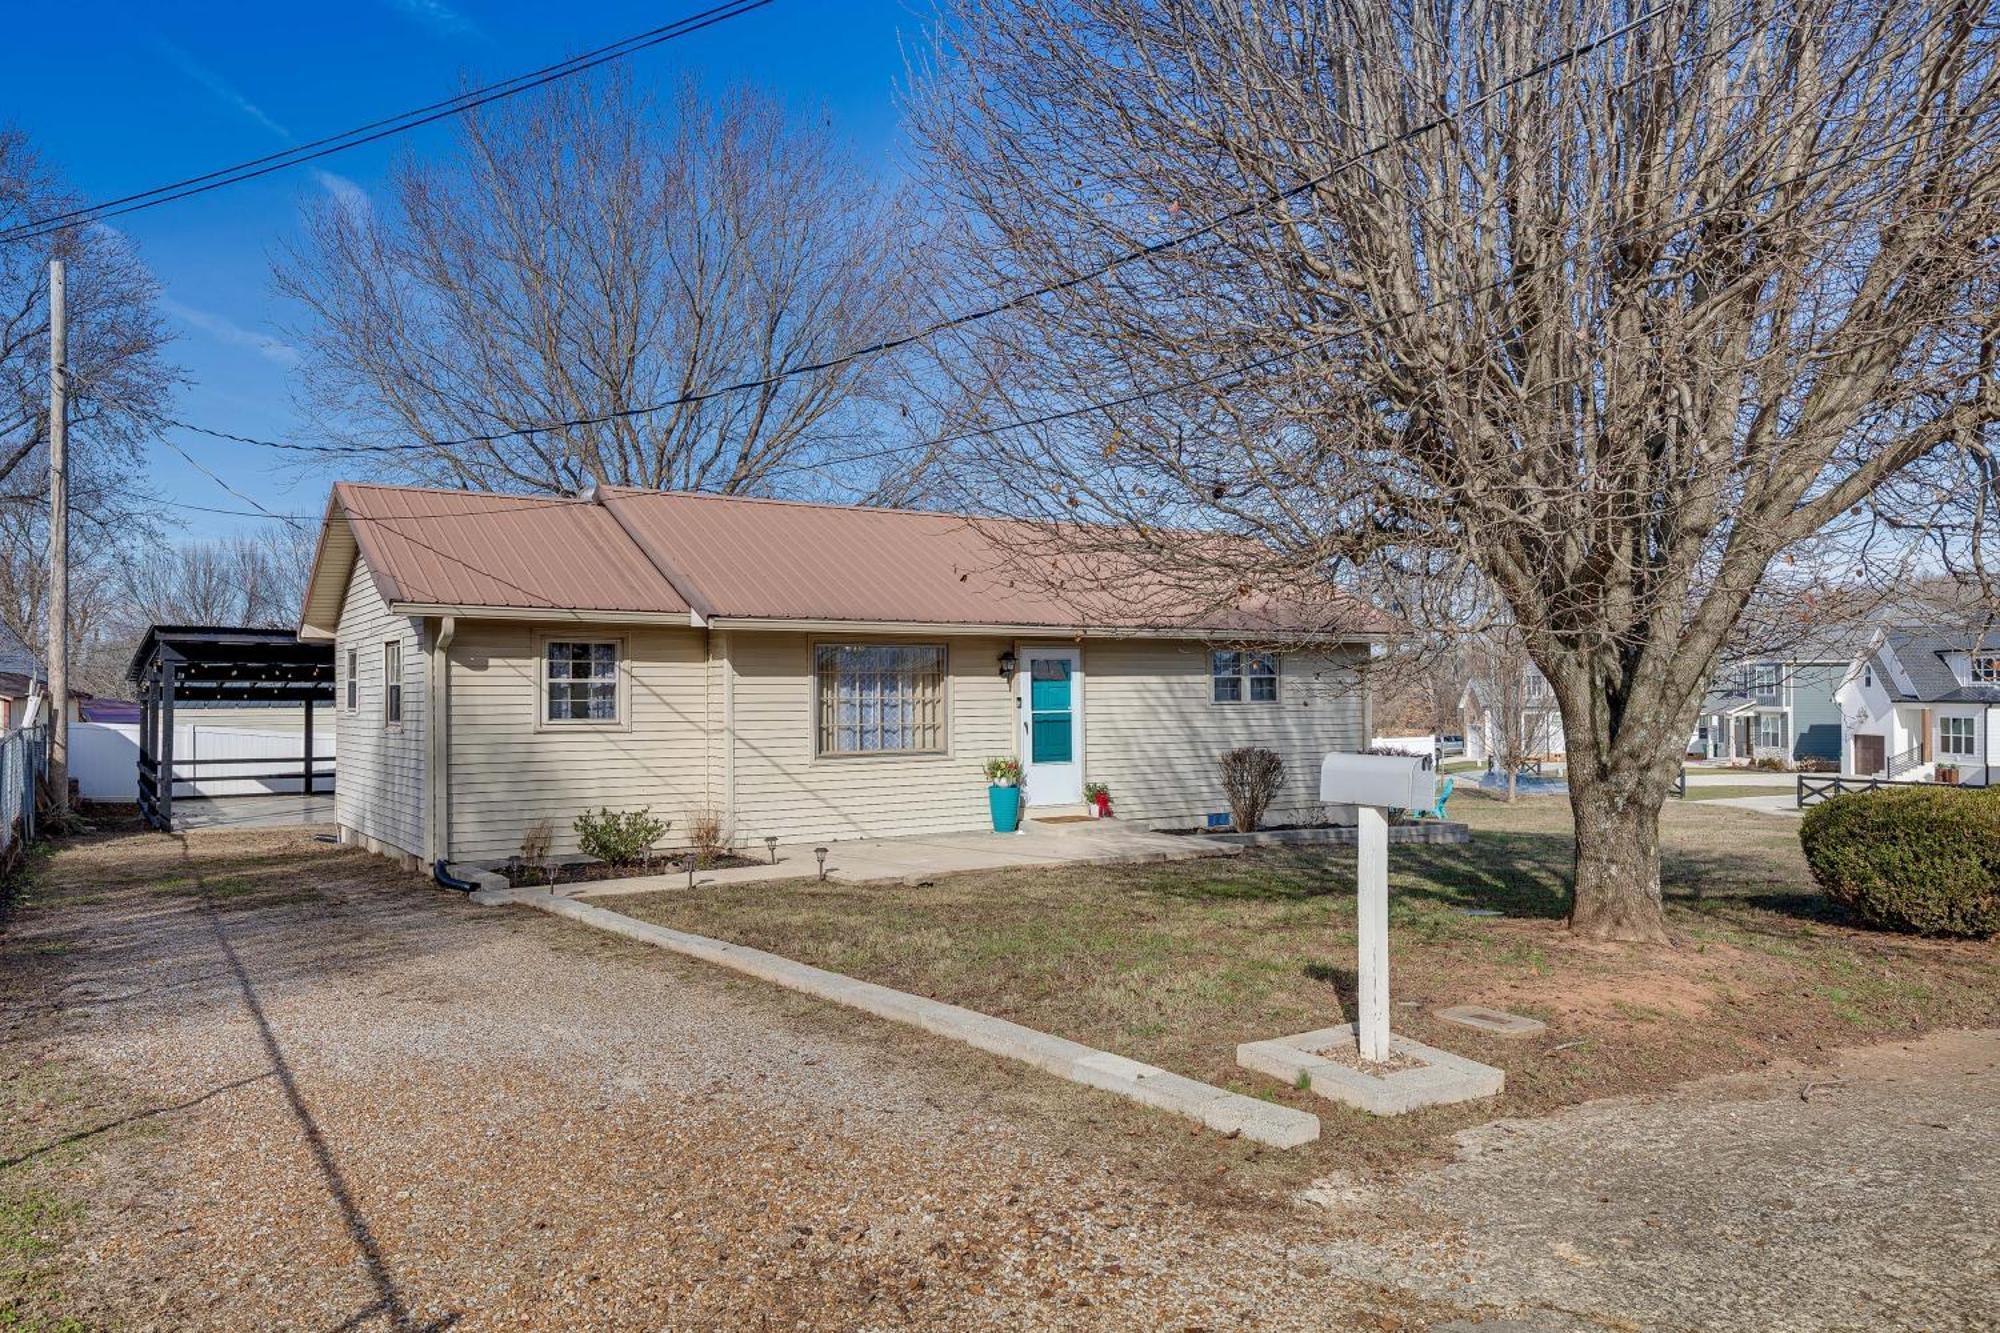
(634, 551)
(467, 548)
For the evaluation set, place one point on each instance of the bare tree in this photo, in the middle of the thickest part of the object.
(586, 256)
(1606, 307)
(241, 580)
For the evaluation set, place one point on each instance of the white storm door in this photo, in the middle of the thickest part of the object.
(1051, 709)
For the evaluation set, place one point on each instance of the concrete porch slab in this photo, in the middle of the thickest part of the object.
(1432, 1078)
(877, 860)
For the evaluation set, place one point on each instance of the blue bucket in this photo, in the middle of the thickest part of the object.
(1005, 803)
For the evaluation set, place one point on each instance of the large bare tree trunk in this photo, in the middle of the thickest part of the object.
(1617, 895)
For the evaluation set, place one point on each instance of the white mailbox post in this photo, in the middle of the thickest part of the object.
(1374, 784)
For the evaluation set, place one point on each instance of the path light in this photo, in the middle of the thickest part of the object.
(693, 861)
(771, 845)
(820, 852)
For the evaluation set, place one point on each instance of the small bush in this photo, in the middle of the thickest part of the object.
(707, 834)
(619, 838)
(1003, 771)
(535, 842)
(1911, 858)
(1251, 778)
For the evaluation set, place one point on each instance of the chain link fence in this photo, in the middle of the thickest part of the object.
(24, 761)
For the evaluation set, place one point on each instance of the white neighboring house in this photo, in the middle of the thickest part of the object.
(1484, 704)
(1918, 700)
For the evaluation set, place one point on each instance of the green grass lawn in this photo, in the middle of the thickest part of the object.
(1176, 963)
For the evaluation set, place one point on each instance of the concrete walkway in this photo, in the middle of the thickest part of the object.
(1786, 804)
(1741, 777)
(878, 859)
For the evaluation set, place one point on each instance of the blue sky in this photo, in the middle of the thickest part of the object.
(173, 91)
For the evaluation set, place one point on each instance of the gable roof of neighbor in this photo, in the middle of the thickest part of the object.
(1910, 664)
(688, 558)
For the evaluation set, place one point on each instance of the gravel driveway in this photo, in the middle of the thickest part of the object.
(306, 1092)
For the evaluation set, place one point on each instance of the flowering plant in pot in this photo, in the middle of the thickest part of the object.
(1099, 797)
(1003, 792)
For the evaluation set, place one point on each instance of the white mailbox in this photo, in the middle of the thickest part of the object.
(1398, 782)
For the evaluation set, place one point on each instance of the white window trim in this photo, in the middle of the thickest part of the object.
(945, 703)
(1984, 669)
(402, 690)
(1971, 737)
(1243, 698)
(623, 722)
(350, 685)
(1757, 740)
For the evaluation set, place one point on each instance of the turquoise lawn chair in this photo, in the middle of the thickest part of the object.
(1444, 794)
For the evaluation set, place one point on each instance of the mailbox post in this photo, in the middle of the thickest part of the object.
(1374, 784)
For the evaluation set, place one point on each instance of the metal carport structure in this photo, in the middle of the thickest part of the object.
(220, 664)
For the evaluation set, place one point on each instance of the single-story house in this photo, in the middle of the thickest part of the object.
(1779, 706)
(1481, 708)
(809, 672)
(1919, 699)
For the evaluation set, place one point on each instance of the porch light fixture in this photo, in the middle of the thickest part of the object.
(1008, 664)
(820, 852)
(771, 846)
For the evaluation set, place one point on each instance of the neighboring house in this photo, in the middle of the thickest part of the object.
(811, 672)
(17, 689)
(1776, 707)
(1918, 699)
(1482, 707)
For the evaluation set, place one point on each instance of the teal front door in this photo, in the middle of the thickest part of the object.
(1051, 709)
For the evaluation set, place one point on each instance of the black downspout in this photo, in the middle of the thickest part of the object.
(449, 880)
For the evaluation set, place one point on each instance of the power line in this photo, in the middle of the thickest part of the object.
(1015, 302)
(379, 129)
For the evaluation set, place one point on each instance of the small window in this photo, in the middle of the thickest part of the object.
(353, 679)
(580, 681)
(1244, 677)
(392, 683)
(1764, 679)
(879, 698)
(1955, 735)
(1868, 676)
(1986, 671)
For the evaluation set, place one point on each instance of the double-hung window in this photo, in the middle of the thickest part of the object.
(580, 680)
(1239, 677)
(1955, 736)
(1764, 680)
(1770, 730)
(879, 698)
(1986, 671)
(353, 684)
(392, 683)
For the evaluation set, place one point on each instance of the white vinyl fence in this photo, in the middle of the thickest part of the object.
(104, 759)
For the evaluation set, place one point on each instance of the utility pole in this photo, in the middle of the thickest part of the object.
(58, 538)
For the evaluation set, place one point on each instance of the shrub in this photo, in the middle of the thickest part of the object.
(619, 838)
(707, 834)
(535, 841)
(1251, 778)
(1911, 858)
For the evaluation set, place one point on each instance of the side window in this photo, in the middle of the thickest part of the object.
(353, 682)
(1238, 677)
(392, 683)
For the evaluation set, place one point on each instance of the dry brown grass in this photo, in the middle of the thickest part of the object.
(1175, 964)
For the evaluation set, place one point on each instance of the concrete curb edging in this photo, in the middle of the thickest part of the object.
(1438, 1078)
(1218, 1109)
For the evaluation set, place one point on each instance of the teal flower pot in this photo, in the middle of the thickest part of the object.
(1005, 803)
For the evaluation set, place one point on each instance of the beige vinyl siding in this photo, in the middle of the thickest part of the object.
(784, 789)
(379, 789)
(1152, 734)
(508, 771)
